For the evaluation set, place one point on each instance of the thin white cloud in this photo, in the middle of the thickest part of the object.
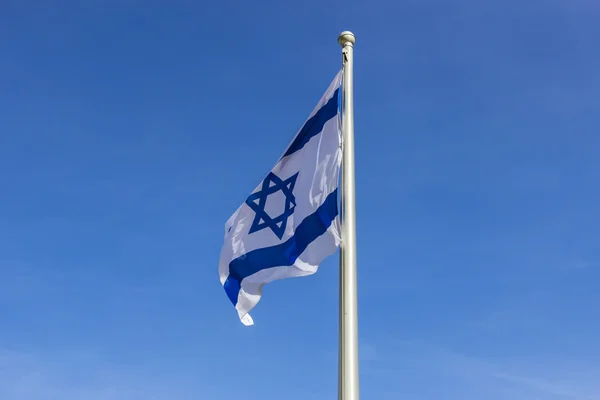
(77, 375)
(520, 379)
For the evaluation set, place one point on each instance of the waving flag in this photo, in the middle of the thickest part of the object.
(289, 224)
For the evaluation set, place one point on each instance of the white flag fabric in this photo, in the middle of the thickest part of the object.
(289, 224)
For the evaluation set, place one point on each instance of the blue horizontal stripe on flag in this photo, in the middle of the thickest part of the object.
(314, 125)
(284, 254)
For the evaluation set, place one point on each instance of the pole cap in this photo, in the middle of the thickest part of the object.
(346, 38)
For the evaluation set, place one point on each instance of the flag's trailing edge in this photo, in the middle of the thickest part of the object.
(289, 224)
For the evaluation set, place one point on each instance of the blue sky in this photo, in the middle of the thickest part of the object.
(130, 131)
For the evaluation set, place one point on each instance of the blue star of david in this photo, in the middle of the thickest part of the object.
(257, 202)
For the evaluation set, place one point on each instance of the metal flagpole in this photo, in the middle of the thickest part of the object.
(348, 388)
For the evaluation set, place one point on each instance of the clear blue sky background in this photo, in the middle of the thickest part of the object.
(131, 130)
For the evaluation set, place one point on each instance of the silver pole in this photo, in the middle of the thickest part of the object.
(348, 388)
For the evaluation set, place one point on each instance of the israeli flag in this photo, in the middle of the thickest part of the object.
(289, 224)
